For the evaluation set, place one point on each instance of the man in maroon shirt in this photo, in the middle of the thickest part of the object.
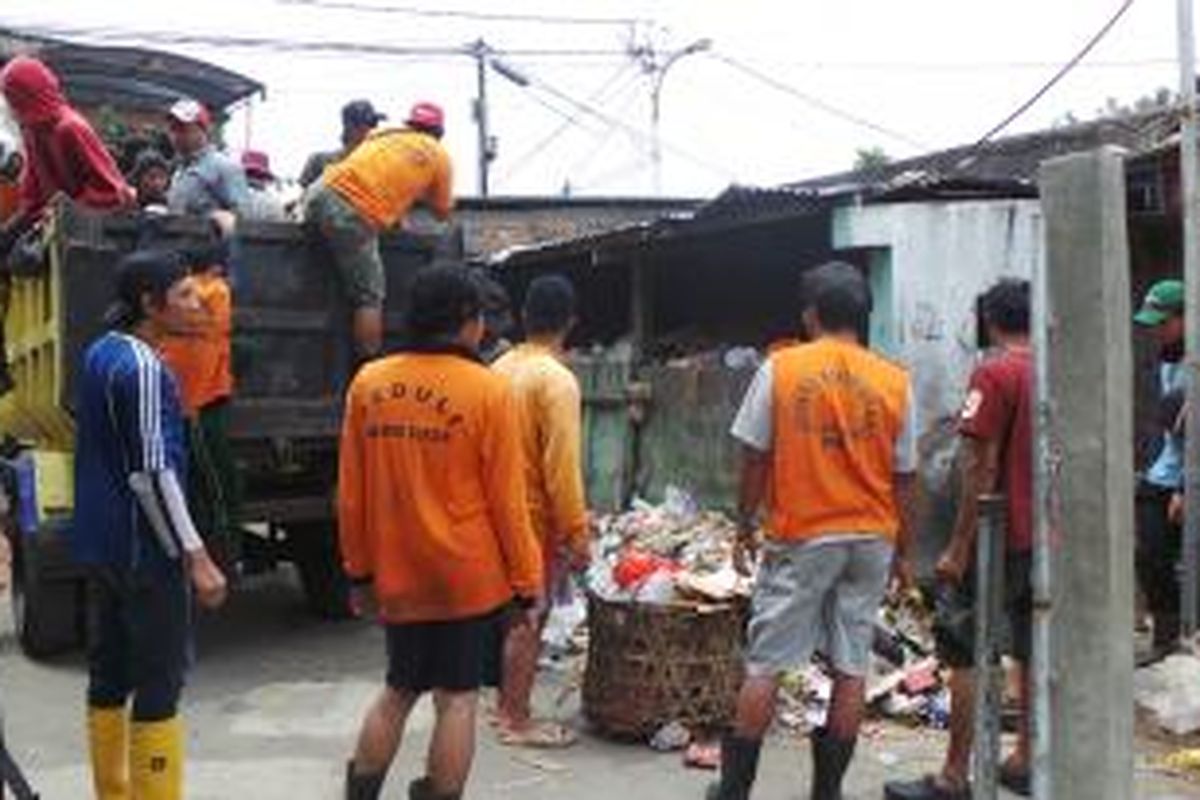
(997, 430)
(63, 155)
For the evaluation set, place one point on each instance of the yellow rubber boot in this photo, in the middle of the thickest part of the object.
(108, 740)
(156, 759)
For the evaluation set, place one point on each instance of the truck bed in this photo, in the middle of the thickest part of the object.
(291, 342)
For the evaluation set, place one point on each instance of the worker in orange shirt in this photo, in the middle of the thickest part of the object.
(200, 360)
(371, 190)
(549, 402)
(434, 529)
(827, 433)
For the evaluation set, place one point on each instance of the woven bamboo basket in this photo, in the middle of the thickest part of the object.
(649, 665)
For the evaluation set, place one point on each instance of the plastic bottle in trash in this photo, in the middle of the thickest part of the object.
(658, 589)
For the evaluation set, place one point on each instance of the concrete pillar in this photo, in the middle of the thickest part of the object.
(1089, 417)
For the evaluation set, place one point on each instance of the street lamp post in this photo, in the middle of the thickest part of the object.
(487, 148)
(660, 74)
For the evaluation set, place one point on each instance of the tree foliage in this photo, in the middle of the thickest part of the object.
(868, 158)
(1114, 108)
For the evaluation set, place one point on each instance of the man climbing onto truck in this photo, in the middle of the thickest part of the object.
(371, 190)
(434, 530)
(133, 529)
(63, 155)
(359, 118)
(549, 406)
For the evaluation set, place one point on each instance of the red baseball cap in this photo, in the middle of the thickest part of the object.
(190, 112)
(257, 164)
(427, 115)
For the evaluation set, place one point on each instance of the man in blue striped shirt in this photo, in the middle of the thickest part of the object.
(133, 528)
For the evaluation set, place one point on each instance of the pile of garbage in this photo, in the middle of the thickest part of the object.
(675, 552)
(906, 682)
(668, 553)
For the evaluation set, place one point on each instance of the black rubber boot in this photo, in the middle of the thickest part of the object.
(423, 790)
(739, 767)
(362, 787)
(831, 757)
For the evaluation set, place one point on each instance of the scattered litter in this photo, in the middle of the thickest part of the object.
(561, 635)
(905, 683)
(703, 755)
(1187, 760)
(922, 677)
(670, 737)
(1170, 691)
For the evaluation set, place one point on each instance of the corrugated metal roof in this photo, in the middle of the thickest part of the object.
(130, 77)
(1012, 161)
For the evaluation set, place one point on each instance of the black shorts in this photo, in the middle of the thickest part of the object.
(457, 656)
(141, 639)
(954, 616)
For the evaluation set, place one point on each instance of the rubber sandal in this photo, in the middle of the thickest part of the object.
(543, 735)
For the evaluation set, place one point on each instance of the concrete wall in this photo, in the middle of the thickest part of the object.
(929, 262)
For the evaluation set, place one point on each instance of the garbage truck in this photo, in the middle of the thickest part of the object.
(292, 360)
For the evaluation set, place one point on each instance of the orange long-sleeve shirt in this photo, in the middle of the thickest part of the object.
(390, 171)
(549, 404)
(431, 492)
(201, 360)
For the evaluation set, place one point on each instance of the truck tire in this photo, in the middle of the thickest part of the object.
(314, 551)
(48, 613)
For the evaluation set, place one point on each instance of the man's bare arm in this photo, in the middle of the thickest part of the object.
(752, 489)
(980, 469)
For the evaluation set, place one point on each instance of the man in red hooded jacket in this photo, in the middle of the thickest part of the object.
(63, 155)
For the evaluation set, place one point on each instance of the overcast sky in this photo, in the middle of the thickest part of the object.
(935, 72)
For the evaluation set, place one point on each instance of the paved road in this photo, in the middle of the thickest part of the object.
(275, 701)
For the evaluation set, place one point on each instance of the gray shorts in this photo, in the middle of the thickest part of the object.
(819, 596)
(355, 245)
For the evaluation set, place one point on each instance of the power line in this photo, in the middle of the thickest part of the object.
(305, 46)
(489, 16)
(606, 139)
(944, 66)
(828, 108)
(572, 120)
(1058, 76)
(639, 133)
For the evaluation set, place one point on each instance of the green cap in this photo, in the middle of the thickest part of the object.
(1163, 301)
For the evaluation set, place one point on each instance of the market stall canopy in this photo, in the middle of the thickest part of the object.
(131, 78)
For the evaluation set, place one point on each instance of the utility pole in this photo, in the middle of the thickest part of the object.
(1089, 429)
(657, 67)
(1191, 277)
(486, 147)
